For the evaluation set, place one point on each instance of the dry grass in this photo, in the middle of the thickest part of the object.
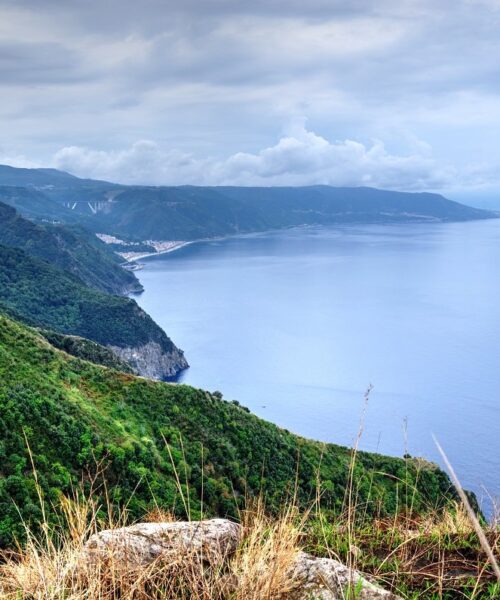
(431, 556)
(423, 556)
(55, 567)
(270, 546)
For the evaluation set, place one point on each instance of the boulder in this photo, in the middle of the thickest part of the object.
(139, 545)
(328, 579)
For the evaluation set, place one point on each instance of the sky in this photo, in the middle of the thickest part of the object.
(400, 94)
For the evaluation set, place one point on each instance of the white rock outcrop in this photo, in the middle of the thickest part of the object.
(141, 544)
(328, 579)
(151, 360)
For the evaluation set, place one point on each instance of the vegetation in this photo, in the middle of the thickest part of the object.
(189, 213)
(72, 249)
(85, 444)
(45, 296)
(430, 554)
(435, 556)
(86, 350)
(33, 203)
(74, 415)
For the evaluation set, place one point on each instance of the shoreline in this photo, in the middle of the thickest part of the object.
(178, 245)
(174, 248)
(182, 244)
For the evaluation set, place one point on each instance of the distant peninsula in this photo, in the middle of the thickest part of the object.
(187, 213)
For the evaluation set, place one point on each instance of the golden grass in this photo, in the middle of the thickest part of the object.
(56, 567)
(426, 556)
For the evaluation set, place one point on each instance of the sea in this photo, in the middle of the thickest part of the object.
(388, 331)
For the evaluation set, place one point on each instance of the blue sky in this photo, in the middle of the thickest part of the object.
(397, 94)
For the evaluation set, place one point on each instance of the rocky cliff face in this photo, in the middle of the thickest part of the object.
(151, 360)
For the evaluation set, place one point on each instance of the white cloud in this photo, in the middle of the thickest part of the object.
(211, 78)
(15, 159)
(300, 158)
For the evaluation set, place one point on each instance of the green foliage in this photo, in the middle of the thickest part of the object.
(190, 213)
(45, 296)
(73, 249)
(431, 554)
(86, 350)
(75, 415)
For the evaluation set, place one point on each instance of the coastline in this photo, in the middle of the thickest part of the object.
(140, 255)
(178, 245)
(132, 257)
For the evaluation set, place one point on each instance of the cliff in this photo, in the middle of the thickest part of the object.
(43, 295)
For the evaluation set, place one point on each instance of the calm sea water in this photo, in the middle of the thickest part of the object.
(297, 324)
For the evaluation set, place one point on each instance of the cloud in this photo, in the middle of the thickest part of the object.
(41, 63)
(17, 160)
(301, 158)
(220, 77)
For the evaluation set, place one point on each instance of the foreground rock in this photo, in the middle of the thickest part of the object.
(141, 544)
(328, 579)
(215, 541)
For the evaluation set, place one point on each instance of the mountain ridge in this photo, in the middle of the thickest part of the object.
(69, 247)
(188, 212)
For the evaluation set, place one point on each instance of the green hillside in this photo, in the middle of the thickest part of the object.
(85, 349)
(191, 212)
(73, 413)
(45, 296)
(72, 249)
(34, 204)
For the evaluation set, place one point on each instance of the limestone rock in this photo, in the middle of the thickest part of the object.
(141, 544)
(151, 360)
(213, 542)
(328, 579)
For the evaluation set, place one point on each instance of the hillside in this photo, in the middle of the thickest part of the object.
(86, 350)
(72, 249)
(190, 212)
(46, 296)
(34, 204)
(73, 414)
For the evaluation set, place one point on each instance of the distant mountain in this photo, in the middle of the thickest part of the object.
(190, 212)
(19, 177)
(40, 294)
(71, 248)
(34, 204)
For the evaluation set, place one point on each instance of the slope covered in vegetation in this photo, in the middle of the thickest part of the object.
(86, 349)
(74, 415)
(191, 212)
(187, 213)
(45, 296)
(72, 249)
